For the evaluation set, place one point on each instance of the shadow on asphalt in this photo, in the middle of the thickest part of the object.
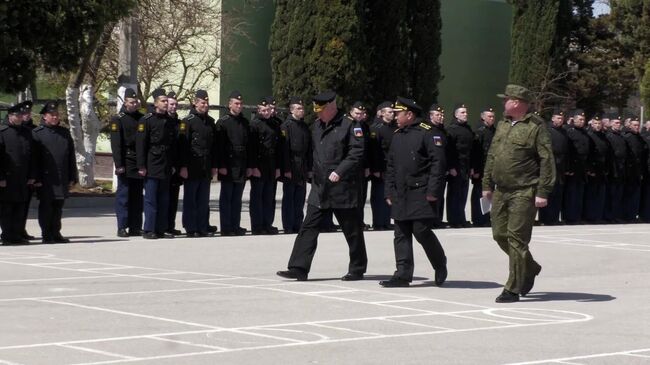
(557, 296)
(464, 284)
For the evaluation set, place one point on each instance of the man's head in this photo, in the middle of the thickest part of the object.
(557, 118)
(436, 114)
(130, 100)
(597, 124)
(406, 111)
(357, 111)
(517, 100)
(615, 123)
(386, 112)
(460, 112)
(201, 101)
(235, 102)
(487, 116)
(296, 108)
(172, 103)
(325, 105)
(26, 110)
(264, 110)
(50, 112)
(14, 115)
(635, 126)
(160, 101)
(579, 118)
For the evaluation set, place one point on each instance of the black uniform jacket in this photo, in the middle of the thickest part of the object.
(16, 162)
(381, 136)
(56, 165)
(579, 149)
(560, 145)
(619, 155)
(198, 145)
(235, 151)
(416, 168)
(600, 155)
(637, 154)
(296, 150)
(124, 127)
(266, 144)
(461, 141)
(482, 142)
(156, 145)
(338, 147)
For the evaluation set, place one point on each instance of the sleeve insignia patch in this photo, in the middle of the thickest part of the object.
(358, 132)
(437, 140)
(284, 133)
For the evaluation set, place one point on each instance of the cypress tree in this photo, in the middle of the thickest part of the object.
(424, 51)
(645, 90)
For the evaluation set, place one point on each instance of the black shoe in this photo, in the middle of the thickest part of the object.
(352, 277)
(441, 276)
(258, 232)
(395, 283)
(289, 231)
(61, 239)
(227, 233)
(240, 231)
(272, 230)
(204, 234)
(379, 228)
(466, 225)
(191, 234)
(164, 235)
(365, 227)
(27, 236)
(212, 229)
(150, 235)
(48, 241)
(507, 297)
(17, 241)
(122, 233)
(529, 282)
(175, 232)
(135, 232)
(292, 274)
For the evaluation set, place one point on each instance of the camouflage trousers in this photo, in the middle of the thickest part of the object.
(513, 214)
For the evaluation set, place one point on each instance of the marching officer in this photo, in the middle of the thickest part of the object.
(56, 171)
(579, 150)
(359, 114)
(436, 119)
(296, 166)
(28, 122)
(176, 181)
(128, 196)
(461, 140)
(415, 176)
(636, 166)
(381, 135)
(198, 164)
(265, 140)
(616, 181)
(550, 214)
(16, 175)
(236, 164)
(338, 153)
(597, 173)
(156, 157)
(482, 141)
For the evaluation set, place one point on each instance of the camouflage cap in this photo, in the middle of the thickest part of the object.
(516, 92)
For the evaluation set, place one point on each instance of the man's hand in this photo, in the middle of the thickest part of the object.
(388, 201)
(223, 171)
(334, 177)
(540, 202)
(431, 198)
(487, 194)
(377, 174)
(310, 174)
(366, 172)
(30, 182)
(256, 172)
(3, 183)
(214, 171)
(183, 173)
(119, 170)
(277, 173)
(142, 172)
(453, 172)
(288, 174)
(249, 172)
(568, 173)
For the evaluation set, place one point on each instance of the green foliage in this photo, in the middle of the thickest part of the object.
(365, 50)
(54, 35)
(645, 90)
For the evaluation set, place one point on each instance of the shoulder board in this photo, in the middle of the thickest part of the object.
(536, 119)
(425, 126)
(147, 116)
(121, 114)
(189, 116)
(349, 118)
(39, 128)
(222, 118)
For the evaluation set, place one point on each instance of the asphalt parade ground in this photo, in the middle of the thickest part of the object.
(108, 300)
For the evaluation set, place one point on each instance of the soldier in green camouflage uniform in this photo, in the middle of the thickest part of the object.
(519, 176)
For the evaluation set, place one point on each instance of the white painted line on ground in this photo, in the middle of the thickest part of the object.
(330, 291)
(163, 319)
(186, 343)
(400, 301)
(345, 329)
(279, 338)
(593, 356)
(105, 353)
(52, 279)
(5, 362)
(638, 355)
(418, 324)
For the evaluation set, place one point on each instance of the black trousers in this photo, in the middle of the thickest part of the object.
(594, 203)
(574, 192)
(478, 218)
(262, 203)
(550, 214)
(49, 217)
(12, 220)
(174, 190)
(403, 242)
(380, 209)
(293, 203)
(614, 201)
(363, 197)
(305, 245)
(26, 213)
(457, 190)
